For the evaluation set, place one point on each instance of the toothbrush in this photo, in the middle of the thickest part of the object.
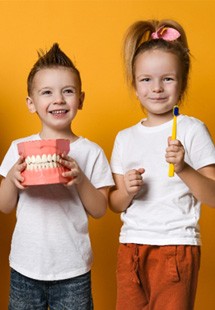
(174, 133)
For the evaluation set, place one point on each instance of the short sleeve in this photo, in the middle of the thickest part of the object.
(116, 158)
(9, 160)
(101, 175)
(201, 151)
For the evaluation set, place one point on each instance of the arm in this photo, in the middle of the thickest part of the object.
(201, 183)
(127, 186)
(94, 200)
(9, 189)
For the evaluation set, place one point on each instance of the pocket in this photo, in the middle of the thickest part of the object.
(124, 258)
(172, 263)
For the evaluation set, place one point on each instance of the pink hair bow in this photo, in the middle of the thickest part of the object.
(166, 33)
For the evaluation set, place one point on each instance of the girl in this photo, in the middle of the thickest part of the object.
(159, 253)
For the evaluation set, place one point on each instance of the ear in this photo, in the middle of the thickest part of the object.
(30, 105)
(81, 100)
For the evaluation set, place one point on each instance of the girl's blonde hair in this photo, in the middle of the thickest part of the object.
(138, 39)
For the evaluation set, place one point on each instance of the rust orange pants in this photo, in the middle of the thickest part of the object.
(157, 277)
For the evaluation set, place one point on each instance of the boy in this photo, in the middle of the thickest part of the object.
(51, 254)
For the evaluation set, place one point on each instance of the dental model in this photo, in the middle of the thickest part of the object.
(42, 159)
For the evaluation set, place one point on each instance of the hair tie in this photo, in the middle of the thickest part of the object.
(166, 33)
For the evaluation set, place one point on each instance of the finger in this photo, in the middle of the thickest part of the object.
(21, 167)
(19, 185)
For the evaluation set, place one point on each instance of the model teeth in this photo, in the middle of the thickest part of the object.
(42, 162)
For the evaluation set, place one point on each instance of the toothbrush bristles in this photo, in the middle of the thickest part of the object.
(175, 110)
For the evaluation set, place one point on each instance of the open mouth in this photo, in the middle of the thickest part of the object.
(58, 112)
(42, 159)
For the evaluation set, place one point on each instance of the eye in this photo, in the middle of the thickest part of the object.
(46, 92)
(168, 79)
(145, 79)
(69, 91)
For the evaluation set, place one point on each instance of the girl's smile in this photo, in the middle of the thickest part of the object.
(157, 84)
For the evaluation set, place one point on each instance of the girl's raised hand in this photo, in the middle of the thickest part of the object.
(175, 154)
(133, 181)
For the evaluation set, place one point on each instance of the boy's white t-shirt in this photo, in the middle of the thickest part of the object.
(51, 239)
(164, 212)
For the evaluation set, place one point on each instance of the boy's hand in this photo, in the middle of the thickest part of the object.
(133, 181)
(175, 154)
(14, 175)
(75, 174)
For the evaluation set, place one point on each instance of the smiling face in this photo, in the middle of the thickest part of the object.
(158, 84)
(56, 97)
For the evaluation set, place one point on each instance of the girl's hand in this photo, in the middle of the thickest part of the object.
(14, 175)
(134, 181)
(175, 154)
(75, 174)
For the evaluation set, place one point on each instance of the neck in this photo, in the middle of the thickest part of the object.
(156, 120)
(52, 134)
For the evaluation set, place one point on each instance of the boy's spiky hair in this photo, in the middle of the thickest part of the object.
(55, 57)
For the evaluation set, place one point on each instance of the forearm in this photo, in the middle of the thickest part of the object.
(201, 186)
(119, 200)
(94, 200)
(8, 196)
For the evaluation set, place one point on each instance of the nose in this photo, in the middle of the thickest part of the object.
(157, 87)
(59, 98)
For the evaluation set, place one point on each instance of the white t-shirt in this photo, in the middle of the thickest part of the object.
(164, 212)
(51, 240)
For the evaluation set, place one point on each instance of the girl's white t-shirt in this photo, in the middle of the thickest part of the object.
(164, 212)
(51, 239)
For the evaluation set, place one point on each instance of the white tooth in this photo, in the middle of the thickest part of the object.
(38, 159)
(28, 160)
(31, 167)
(58, 157)
(54, 157)
(49, 158)
(54, 164)
(33, 159)
(44, 159)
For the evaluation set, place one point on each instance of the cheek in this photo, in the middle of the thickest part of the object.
(140, 91)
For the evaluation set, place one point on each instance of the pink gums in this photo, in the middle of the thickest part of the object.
(42, 176)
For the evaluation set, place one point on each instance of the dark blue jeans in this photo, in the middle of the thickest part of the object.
(69, 294)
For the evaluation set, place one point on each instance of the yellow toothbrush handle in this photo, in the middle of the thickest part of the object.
(171, 170)
(174, 128)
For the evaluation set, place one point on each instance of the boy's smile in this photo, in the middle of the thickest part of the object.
(56, 97)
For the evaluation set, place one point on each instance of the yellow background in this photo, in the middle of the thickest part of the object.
(91, 32)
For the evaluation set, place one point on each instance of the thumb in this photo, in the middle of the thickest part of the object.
(141, 170)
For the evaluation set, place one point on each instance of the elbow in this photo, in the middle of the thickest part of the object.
(99, 213)
(210, 204)
(5, 210)
(114, 209)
